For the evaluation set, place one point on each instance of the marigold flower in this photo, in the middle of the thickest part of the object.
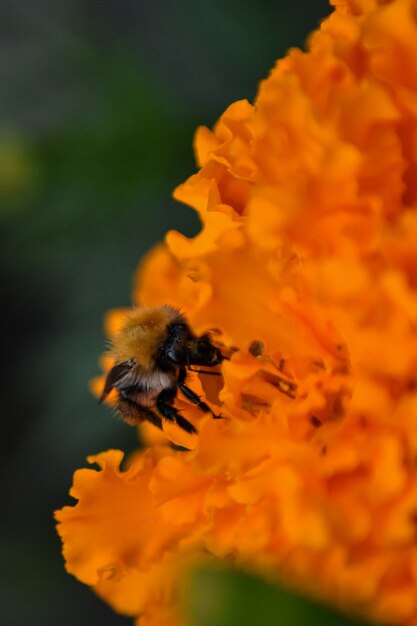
(306, 265)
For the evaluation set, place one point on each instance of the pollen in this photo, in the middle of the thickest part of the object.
(306, 264)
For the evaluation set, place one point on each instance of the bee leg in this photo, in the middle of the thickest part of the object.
(132, 412)
(165, 408)
(191, 395)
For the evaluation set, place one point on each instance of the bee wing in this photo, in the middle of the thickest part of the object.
(115, 375)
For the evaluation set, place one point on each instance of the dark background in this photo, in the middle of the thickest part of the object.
(99, 102)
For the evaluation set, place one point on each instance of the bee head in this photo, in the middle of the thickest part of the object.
(182, 347)
(201, 351)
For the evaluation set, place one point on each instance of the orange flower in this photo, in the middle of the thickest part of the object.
(307, 265)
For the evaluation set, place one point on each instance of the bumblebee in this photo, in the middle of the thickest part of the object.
(153, 352)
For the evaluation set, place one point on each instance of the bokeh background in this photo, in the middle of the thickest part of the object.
(99, 102)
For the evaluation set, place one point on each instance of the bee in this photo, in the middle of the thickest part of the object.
(153, 353)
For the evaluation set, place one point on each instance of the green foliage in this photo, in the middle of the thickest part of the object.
(219, 597)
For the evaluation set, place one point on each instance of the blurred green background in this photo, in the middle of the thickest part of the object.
(99, 102)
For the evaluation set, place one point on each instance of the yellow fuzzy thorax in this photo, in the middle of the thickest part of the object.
(142, 333)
